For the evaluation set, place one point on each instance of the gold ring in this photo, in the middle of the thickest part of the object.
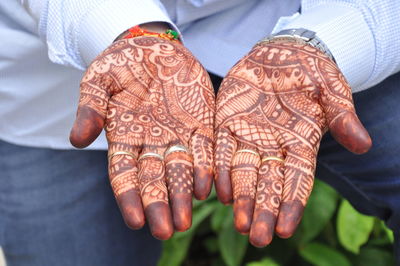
(150, 154)
(247, 151)
(121, 153)
(272, 158)
(176, 148)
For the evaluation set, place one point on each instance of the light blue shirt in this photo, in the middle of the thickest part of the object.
(38, 96)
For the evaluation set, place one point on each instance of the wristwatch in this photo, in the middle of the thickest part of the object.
(301, 36)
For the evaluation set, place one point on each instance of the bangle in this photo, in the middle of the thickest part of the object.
(136, 31)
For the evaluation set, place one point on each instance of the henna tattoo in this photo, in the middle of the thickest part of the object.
(279, 100)
(270, 187)
(123, 171)
(149, 94)
(152, 183)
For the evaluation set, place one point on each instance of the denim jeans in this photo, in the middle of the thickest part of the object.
(57, 208)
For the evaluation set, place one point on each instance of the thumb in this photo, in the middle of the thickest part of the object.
(91, 112)
(338, 105)
(347, 129)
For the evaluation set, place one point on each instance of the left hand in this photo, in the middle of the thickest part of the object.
(278, 101)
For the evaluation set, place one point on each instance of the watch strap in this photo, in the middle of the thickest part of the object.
(303, 36)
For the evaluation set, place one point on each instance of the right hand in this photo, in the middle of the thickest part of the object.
(150, 94)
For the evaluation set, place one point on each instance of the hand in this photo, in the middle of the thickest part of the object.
(150, 94)
(278, 101)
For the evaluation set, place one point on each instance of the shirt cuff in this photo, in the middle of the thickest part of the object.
(346, 34)
(102, 25)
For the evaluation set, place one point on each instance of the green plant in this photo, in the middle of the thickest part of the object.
(332, 232)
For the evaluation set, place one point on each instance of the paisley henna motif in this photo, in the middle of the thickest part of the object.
(279, 100)
(149, 94)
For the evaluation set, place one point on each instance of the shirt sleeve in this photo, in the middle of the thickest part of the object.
(363, 36)
(77, 31)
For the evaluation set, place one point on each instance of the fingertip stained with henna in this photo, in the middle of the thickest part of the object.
(87, 127)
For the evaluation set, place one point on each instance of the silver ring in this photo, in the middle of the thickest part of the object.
(247, 151)
(150, 154)
(121, 153)
(176, 148)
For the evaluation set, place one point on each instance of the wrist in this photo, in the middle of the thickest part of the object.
(300, 36)
(158, 27)
(153, 29)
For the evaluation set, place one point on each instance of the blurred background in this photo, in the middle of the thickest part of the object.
(2, 262)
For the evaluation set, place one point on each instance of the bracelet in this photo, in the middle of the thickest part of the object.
(136, 31)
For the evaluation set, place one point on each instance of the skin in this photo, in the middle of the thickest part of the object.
(279, 100)
(150, 94)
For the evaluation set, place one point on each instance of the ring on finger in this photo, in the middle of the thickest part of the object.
(150, 154)
(120, 153)
(176, 148)
(247, 151)
(272, 158)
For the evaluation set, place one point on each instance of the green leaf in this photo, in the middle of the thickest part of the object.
(221, 215)
(353, 228)
(322, 255)
(263, 262)
(231, 244)
(388, 232)
(174, 251)
(370, 256)
(320, 208)
(211, 244)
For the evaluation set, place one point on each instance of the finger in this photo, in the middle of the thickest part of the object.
(343, 122)
(299, 170)
(244, 177)
(224, 149)
(154, 195)
(123, 173)
(92, 109)
(179, 173)
(202, 150)
(268, 198)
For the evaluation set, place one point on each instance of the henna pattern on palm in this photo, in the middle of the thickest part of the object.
(279, 100)
(150, 94)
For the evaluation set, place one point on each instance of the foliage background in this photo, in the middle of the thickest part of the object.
(332, 232)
